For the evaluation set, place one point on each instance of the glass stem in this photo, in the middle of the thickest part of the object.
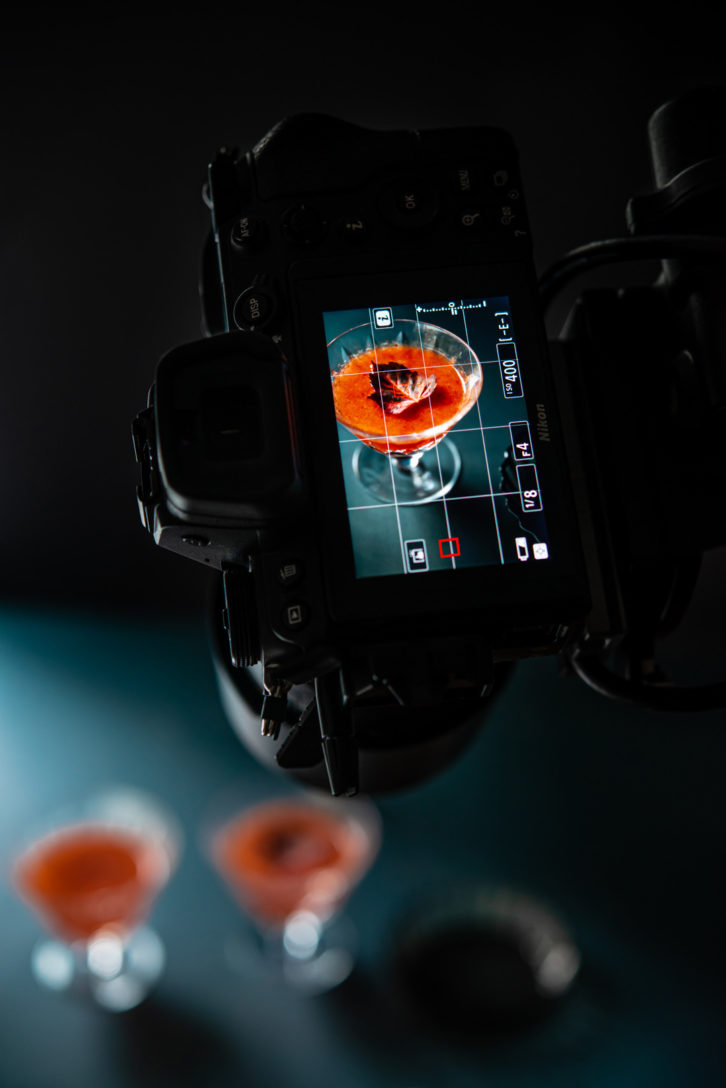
(409, 464)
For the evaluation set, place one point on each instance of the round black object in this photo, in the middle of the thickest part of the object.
(253, 309)
(304, 225)
(486, 967)
(474, 982)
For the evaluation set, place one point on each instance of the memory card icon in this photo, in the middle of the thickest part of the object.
(416, 557)
(522, 548)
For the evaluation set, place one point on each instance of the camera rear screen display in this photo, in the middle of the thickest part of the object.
(434, 436)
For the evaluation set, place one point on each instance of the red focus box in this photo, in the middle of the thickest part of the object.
(452, 551)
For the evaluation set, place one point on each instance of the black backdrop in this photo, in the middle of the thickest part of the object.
(108, 126)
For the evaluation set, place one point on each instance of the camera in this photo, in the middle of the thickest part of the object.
(395, 474)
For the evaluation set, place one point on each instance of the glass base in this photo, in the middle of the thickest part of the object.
(309, 956)
(114, 973)
(400, 480)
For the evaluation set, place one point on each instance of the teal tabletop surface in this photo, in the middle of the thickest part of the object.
(612, 819)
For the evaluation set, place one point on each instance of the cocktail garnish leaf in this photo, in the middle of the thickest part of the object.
(396, 388)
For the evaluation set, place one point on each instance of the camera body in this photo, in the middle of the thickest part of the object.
(409, 560)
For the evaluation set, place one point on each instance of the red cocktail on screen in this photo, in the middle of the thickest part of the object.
(399, 395)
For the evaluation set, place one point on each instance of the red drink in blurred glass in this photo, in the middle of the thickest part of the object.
(86, 878)
(284, 856)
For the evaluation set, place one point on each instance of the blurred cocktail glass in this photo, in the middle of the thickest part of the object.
(400, 391)
(91, 875)
(291, 858)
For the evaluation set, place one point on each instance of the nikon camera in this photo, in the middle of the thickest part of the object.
(366, 443)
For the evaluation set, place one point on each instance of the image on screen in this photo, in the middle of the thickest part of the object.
(434, 437)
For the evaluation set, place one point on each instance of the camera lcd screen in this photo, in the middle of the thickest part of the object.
(435, 437)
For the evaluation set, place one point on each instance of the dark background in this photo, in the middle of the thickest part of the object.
(109, 123)
(615, 817)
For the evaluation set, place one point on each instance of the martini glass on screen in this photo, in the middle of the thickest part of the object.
(91, 875)
(400, 395)
(290, 857)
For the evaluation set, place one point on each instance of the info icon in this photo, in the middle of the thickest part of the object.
(416, 557)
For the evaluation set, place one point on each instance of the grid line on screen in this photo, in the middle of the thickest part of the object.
(486, 458)
(436, 447)
(393, 479)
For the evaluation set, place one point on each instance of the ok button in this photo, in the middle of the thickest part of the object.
(410, 202)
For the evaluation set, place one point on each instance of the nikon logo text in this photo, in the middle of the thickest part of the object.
(543, 427)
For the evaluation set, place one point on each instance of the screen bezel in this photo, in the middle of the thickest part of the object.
(549, 588)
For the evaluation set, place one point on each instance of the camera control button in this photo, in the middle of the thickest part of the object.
(253, 309)
(410, 203)
(415, 200)
(247, 232)
(303, 225)
(472, 220)
(464, 180)
(510, 216)
(353, 228)
(289, 573)
(295, 615)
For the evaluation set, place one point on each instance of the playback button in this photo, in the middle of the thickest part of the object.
(295, 615)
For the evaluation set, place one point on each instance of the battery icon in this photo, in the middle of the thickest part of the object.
(522, 548)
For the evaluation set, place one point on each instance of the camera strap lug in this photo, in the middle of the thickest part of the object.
(274, 708)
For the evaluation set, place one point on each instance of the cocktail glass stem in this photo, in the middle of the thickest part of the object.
(419, 480)
(412, 481)
(311, 955)
(92, 876)
(307, 954)
(408, 463)
(116, 972)
(291, 858)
